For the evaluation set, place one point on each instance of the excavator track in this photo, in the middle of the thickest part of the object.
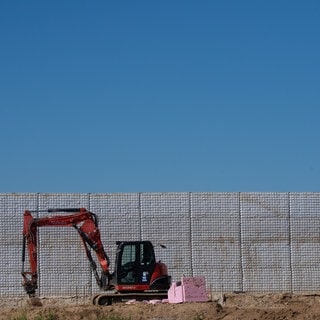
(107, 298)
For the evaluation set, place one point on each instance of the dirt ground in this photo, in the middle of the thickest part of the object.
(227, 307)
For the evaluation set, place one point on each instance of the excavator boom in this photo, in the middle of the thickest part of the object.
(85, 222)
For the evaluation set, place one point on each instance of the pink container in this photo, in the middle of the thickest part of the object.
(189, 289)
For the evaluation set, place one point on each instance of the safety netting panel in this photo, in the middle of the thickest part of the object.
(305, 234)
(119, 220)
(63, 267)
(12, 207)
(165, 220)
(265, 242)
(258, 242)
(215, 238)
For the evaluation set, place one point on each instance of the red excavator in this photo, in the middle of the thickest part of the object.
(137, 274)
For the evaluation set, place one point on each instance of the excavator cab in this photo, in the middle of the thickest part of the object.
(135, 262)
(137, 274)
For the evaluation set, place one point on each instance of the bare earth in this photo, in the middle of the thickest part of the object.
(226, 307)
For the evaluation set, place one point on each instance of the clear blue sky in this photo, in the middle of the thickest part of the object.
(159, 96)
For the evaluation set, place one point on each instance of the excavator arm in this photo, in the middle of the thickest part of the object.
(85, 222)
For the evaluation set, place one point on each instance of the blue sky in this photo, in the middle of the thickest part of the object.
(159, 96)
